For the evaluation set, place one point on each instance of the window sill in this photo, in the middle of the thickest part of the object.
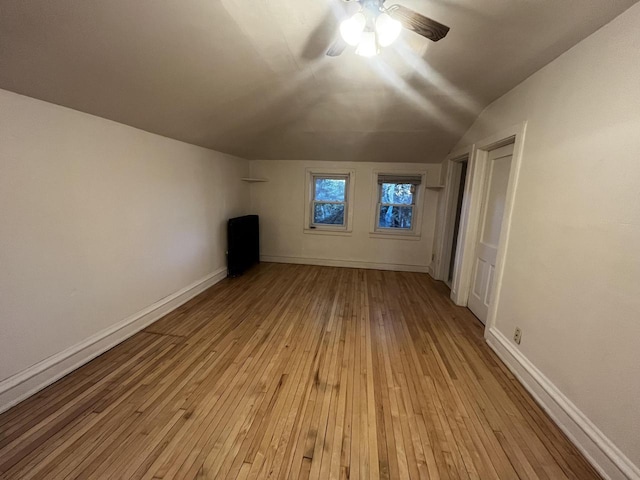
(326, 231)
(395, 236)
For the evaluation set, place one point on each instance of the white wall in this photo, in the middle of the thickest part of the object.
(98, 221)
(280, 202)
(572, 271)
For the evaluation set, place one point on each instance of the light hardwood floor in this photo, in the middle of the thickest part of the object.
(294, 372)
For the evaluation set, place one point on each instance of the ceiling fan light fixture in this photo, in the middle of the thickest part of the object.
(388, 29)
(377, 26)
(351, 29)
(368, 46)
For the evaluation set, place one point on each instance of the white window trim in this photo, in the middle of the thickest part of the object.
(418, 208)
(345, 229)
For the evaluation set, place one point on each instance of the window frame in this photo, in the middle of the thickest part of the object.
(314, 202)
(321, 228)
(380, 204)
(414, 233)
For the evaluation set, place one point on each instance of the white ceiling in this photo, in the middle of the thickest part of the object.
(249, 77)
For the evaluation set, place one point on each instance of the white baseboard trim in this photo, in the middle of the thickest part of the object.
(22, 385)
(610, 462)
(346, 263)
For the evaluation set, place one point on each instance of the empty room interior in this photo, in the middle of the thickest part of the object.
(320, 239)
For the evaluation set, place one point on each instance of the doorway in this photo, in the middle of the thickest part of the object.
(495, 185)
(460, 180)
(473, 265)
(453, 226)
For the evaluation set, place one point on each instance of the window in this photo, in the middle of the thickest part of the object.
(329, 203)
(329, 194)
(396, 210)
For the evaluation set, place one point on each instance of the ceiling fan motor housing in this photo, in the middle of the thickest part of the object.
(371, 10)
(374, 6)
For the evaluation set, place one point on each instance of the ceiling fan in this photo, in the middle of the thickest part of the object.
(375, 26)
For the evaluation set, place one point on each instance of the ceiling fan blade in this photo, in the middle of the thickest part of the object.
(336, 48)
(418, 23)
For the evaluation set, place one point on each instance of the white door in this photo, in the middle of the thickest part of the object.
(494, 196)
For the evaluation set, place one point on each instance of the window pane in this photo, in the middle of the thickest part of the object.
(399, 193)
(330, 189)
(395, 217)
(328, 213)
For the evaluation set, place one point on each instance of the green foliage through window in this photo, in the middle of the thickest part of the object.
(395, 217)
(328, 213)
(329, 201)
(330, 189)
(397, 193)
(396, 205)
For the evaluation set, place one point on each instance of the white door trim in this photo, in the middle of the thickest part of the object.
(445, 236)
(515, 134)
(485, 253)
(471, 210)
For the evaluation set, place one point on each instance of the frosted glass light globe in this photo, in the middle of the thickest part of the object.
(351, 29)
(387, 29)
(368, 47)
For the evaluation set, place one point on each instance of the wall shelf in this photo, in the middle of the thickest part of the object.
(254, 180)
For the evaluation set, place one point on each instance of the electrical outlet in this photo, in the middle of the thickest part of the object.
(517, 335)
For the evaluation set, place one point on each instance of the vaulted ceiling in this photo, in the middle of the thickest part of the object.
(250, 78)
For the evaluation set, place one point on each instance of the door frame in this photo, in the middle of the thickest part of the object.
(445, 239)
(472, 208)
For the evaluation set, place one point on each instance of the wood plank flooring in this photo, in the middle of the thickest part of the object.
(297, 372)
